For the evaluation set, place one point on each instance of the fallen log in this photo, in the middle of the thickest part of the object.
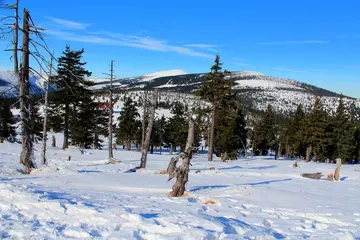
(312, 175)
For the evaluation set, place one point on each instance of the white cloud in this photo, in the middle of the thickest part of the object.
(206, 47)
(236, 63)
(294, 42)
(109, 38)
(68, 24)
(286, 69)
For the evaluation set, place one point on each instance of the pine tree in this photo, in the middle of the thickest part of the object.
(36, 125)
(316, 125)
(218, 91)
(128, 127)
(265, 133)
(158, 133)
(231, 133)
(176, 128)
(6, 121)
(71, 95)
(100, 126)
(292, 138)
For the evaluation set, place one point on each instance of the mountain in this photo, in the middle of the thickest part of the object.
(257, 89)
(9, 85)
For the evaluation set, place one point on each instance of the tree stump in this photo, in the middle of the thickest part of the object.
(330, 177)
(337, 170)
(182, 172)
(1, 140)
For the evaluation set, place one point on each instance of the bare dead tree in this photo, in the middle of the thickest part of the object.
(212, 133)
(182, 172)
(146, 143)
(14, 29)
(27, 145)
(46, 105)
(143, 123)
(111, 110)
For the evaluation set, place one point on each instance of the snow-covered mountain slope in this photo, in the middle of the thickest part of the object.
(9, 84)
(139, 81)
(257, 89)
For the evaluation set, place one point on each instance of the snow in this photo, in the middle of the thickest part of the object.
(245, 73)
(265, 84)
(168, 73)
(255, 198)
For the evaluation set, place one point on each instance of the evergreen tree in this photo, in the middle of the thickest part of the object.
(265, 133)
(6, 121)
(176, 128)
(315, 126)
(36, 125)
(71, 97)
(231, 133)
(100, 126)
(158, 133)
(218, 91)
(128, 127)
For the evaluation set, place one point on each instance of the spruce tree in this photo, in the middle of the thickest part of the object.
(316, 126)
(176, 128)
(6, 121)
(128, 127)
(231, 133)
(71, 96)
(292, 138)
(100, 126)
(36, 125)
(158, 133)
(265, 133)
(218, 91)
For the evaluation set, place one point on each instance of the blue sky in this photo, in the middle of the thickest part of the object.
(315, 41)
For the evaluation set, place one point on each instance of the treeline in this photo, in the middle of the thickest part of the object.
(310, 135)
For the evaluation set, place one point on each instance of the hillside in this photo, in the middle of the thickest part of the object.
(257, 89)
(9, 82)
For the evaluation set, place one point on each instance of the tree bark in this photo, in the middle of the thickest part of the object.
(16, 38)
(212, 133)
(308, 153)
(66, 127)
(111, 156)
(145, 147)
(53, 144)
(171, 149)
(27, 145)
(46, 115)
(143, 125)
(182, 173)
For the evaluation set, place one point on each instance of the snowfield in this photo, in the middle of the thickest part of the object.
(255, 198)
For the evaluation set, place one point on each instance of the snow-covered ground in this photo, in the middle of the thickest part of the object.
(258, 198)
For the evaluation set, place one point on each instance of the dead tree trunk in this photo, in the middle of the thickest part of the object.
(145, 146)
(16, 38)
(27, 145)
(53, 144)
(308, 153)
(171, 149)
(337, 170)
(66, 127)
(46, 115)
(143, 124)
(182, 172)
(212, 133)
(111, 156)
